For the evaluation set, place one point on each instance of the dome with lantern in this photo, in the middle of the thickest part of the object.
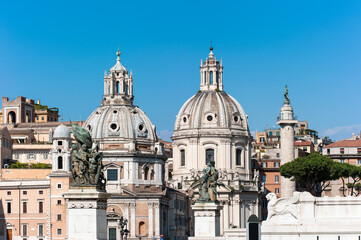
(211, 110)
(117, 119)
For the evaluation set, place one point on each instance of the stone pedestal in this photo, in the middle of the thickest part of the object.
(206, 220)
(86, 213)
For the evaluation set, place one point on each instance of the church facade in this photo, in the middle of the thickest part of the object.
(212, 126)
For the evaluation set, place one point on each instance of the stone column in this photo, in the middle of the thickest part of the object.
(132, 219)
(226, 214)
(150, 219)
(157, 220)
(287, 123)
(287, 155)
(86, 213)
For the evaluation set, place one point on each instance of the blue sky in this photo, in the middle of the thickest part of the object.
(57, 51)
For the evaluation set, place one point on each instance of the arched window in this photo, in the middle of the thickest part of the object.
(217, 76)
(211, 77)
(141, 228)
(205, 77)
(209, 155)
(238, 157)
(60, 162)
(11, 117)
(118, 87)
(109, 90)
(126, 89)
(183, 157)
(146, 173)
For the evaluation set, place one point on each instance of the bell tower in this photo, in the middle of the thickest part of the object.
(211, 73)
(118, 85)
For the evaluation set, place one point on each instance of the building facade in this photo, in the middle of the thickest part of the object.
(133, 156)
(212, 126)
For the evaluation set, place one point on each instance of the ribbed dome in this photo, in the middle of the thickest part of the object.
(211, 109)
(62, 132)
(119, 121)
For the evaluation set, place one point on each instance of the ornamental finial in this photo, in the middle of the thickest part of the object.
(211, 47)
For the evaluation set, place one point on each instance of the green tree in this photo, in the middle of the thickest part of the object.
(347, 171)
(314, 172)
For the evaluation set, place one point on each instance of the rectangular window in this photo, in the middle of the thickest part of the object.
(277, 155)
(342, 150)
(264, 164)
(42, 118)
(328, 151)
(41, 230)
(238, 157)
(183, 157)
(277, 179)
(58, 231)
(277, 164)
(58, 186)
(58, 217)
(41, 206)
(270, 133)
(358, 161)
(31, 156)
(8, 192)
(277, 133)
(58, 202)
(8, 207)
(24, 229)
(45, 156)
(41, 192)
(112, 174)
(209, 155)
(16, 155)
(264, 178)
(25, 207)
(277, 190)
(358, 150)
(25, 192)
(342, 160)
(60, 143)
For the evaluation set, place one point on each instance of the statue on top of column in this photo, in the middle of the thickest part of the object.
(285, 94)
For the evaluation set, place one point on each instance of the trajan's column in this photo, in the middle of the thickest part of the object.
(287, 123)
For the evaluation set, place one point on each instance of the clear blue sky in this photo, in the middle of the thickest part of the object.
(57, 51)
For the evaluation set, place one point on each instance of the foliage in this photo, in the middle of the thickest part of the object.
(313, 172)
(31, 165)
(347, 171)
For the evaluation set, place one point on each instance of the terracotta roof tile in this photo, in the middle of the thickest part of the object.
(305, 143)
(345, 143)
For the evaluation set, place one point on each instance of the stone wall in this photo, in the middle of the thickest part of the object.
(304, 216)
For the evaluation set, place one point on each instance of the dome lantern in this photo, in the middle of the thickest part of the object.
(211, 73)
(118, 85)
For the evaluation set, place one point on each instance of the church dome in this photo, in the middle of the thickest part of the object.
(121, 122)
(211, 109)
(117, 119)
(61, 132)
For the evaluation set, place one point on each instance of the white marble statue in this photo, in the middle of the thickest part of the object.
(289, 207)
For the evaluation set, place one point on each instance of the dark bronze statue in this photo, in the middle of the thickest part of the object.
(87, 160)
(208, 184)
